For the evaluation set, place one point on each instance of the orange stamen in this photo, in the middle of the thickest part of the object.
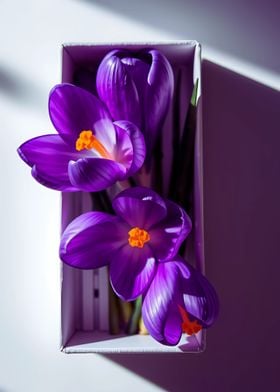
(88, 141)
(188, 326)
(138, 237)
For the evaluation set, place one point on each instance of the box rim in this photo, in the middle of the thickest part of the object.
(197, 56)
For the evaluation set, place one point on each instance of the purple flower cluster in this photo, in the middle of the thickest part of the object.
(104, 140)
(140, 244)
(91, 151)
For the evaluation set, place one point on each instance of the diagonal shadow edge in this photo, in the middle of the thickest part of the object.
(242, 191)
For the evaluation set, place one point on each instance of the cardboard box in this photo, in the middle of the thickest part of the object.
(84, 294)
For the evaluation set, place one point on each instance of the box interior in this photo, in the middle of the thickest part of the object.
(85, 293)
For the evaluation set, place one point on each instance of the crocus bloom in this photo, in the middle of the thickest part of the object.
(137, 86)
(145, 231)
(179, 299)
(90, 152)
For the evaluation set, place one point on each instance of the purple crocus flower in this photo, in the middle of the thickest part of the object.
(179, 299)
(90, 151)
(145, 231)
(137, 86)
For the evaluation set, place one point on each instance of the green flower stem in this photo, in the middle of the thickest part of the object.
(125, 311)
(114, 316)
(133, 326)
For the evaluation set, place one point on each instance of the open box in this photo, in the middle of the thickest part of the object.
(84, 298)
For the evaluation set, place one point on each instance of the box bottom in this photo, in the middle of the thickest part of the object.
(102, 342)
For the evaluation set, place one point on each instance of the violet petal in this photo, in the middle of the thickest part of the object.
(139, 207)
(90, 240)
(175, 284)
(123, 151)
(49, 155)
(168, 235)
(159, 310)
(137, 87)
(95, 174)
(199, 296)
(73, 110)
(137, 141)
(138, 70)
(158, 94)
(117, 90)
(131, 271)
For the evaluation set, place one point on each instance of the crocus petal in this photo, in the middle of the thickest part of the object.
(137, 87)
(90, 240)
(138, 70)
(49, 156)
(137, 141)
(139, 207)
(105, 132)
(199, 296)
(168, 235)
(173, 327)
(95, 174)
(175, 284)
(159, 90)
(131, 271)
(73, 109)
(160, 314)
(123, 151)
(116, 88)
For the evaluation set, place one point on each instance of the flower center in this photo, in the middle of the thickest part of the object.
(138, 237)
(88, 141)
(188, 326)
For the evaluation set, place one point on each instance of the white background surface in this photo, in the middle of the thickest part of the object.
(30, 359)
(31, 33)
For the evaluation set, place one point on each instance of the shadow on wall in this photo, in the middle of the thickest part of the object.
(242, 215)
(248, 30)
(18, 88)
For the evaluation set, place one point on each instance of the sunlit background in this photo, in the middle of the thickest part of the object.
(242, 36)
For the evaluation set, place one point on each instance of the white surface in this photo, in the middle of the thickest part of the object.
(31, 33)
(30, 359)
(87, 342)
(87, 302)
